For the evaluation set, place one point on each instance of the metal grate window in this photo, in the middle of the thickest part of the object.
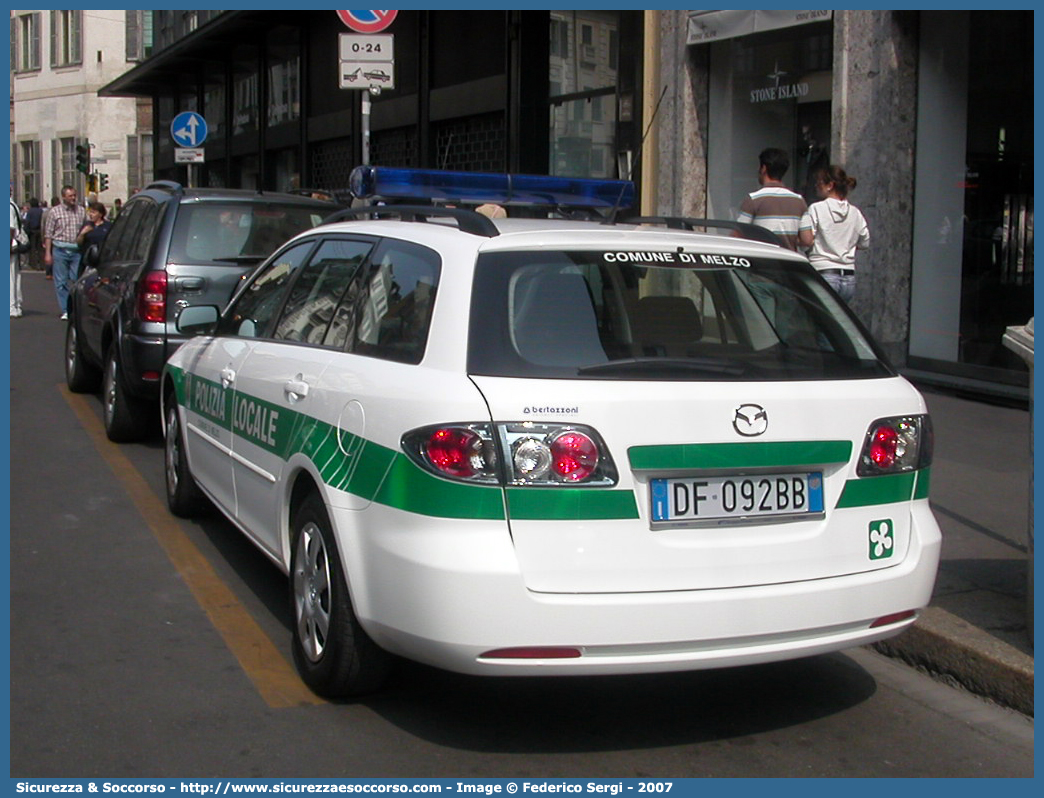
(396, 147)
(332, 162)
(476, 143)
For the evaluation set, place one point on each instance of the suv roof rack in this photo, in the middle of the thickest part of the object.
(467, 221)
(751, 231)
(167, 184)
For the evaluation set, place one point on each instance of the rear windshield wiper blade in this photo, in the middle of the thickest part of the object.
(652, 364)
(241, 259)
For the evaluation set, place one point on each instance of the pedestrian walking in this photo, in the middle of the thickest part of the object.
(95, 229)
(34, 226)
(774, 206)
(833, 229)
(61, 252)
(48, 268)
(16, 272)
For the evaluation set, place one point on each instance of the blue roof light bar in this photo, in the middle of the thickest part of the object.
(479, 187)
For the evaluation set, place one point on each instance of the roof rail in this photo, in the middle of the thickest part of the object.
(467, 221)
(751, 231)
(168, 184)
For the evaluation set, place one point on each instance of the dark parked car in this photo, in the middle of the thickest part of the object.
(171, 247)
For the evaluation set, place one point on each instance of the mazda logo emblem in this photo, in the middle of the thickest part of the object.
(750, 420)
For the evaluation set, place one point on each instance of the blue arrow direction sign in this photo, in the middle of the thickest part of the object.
(188, 129)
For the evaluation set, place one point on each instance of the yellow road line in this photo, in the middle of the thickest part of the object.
(273, 677)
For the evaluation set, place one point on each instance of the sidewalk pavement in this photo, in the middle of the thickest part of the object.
(975, 632)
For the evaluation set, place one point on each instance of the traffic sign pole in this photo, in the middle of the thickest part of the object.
(374, 52)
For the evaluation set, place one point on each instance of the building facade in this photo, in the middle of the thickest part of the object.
(478, 90)
(928, 110)
(59, 61)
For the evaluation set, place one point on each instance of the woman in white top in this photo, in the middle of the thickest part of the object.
(833, 229)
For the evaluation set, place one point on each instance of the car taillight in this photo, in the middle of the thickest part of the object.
(894, 445)
(574, 456)
(152, 297)
(457, 452)
(531, 453)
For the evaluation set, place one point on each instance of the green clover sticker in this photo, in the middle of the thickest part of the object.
(882, 543)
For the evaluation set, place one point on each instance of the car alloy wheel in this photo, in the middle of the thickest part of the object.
(332, 651)
(80, 376)
(184, 497)
(312, 591)
(125, 417)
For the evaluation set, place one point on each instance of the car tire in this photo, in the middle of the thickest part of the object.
(333, 654)
(125, 417)
(184, 497)
(80, 376)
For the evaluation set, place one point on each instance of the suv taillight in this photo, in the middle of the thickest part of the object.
(522, 453)
(152, 297)
(894, 445)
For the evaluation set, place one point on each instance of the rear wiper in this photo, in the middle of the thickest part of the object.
(241, 259)
(652, 364)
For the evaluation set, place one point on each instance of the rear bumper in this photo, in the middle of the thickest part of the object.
(444, 592)
(144, 355)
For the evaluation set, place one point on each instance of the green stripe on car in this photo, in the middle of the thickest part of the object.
(373, 472)
(739, 455)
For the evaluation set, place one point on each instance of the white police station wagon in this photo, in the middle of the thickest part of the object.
(541, 446)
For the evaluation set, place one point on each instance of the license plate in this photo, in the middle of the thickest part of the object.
(746, 496)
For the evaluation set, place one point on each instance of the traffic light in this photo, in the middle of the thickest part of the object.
(83, 157)
(92, 184)
(102, 183)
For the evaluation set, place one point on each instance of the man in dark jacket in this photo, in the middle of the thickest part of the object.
(33, 226)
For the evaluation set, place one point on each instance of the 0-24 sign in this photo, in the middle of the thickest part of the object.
(380, 47)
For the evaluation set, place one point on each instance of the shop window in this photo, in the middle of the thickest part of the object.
(214, 103)
(973, 219)
(769, 89)
(584, 59)
(244, 91)
(284, 76)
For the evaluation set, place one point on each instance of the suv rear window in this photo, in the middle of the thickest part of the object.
(229, 231)
(661, 315)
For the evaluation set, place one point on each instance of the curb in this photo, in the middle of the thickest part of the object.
(944, 645)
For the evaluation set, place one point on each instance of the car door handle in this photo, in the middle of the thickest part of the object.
(189, 285)
(228, 376)
(296, 389)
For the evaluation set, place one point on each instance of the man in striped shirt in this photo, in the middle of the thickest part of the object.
(774, 206)
(61, 251)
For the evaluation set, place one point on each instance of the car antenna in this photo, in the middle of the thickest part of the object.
(611, 217)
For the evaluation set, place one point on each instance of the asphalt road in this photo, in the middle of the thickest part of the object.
(142, 645)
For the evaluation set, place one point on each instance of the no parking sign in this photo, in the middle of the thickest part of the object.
(367, 21)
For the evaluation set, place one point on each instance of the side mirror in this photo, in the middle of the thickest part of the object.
(197, 320)
(89, 260)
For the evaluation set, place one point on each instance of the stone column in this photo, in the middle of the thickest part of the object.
(873, 136)
(682, 120)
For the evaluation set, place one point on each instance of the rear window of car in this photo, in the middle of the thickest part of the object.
(661, 316)
(235, 232)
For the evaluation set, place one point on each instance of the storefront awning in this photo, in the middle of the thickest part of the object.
(711, 26)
